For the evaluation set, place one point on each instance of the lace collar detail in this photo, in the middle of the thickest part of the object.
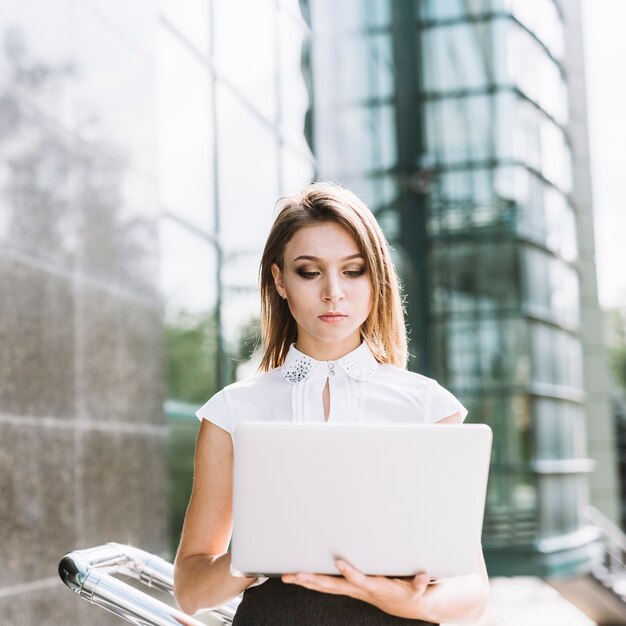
(359, 364)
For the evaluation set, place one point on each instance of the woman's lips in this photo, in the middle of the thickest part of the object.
(332, 318)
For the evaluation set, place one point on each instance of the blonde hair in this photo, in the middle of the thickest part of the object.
(384, 330)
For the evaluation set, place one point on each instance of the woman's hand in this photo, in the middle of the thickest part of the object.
(397, 596)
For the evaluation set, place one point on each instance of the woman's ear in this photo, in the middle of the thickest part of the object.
(278, 280)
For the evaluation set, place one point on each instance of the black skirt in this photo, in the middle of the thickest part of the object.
(275, 603)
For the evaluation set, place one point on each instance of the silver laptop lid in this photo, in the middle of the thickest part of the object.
(391, 499)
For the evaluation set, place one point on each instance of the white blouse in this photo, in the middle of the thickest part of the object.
(361, 390)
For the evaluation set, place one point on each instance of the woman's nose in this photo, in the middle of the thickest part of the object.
(333, 291)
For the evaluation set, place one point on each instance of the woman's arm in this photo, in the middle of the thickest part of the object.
(460, 599)
(202, 577)
(451, 419)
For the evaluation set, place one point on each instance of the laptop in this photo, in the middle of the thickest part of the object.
(390, 499)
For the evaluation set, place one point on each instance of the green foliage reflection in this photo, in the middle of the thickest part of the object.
(616, 340)
(191, 360)
(191, 363)
(191, 356)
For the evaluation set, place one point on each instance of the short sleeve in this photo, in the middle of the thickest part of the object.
(443, 404)
(216, 411)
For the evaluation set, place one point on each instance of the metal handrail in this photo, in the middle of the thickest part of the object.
(89, 573)
(614, 541)
(612, 531)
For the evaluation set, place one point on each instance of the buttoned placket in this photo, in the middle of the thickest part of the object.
(309, 377)
(307, 395)
(331, 374)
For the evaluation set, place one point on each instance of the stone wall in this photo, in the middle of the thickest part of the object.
(82, 433)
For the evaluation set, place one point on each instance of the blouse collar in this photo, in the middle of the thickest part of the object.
(359, 364)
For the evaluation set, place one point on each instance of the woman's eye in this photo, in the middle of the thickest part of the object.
(355, 273)
(306, 274)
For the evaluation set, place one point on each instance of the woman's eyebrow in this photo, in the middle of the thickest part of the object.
(307, 257)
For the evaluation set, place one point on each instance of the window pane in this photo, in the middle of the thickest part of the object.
(556, 356)
(190, 19)
(460, 56)
(468, 129)
(542, 18)
(484, 353)
(188, 270)
(357, 14)
(185, 133)
(530, 68)
(559, 429)
(551, 287)
(114, 104)
(296, 171)
(353, 141)
(445, 9)
(294, 97)
(252, 74)
(248, 174)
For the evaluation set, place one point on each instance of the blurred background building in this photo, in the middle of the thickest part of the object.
(457, 122)
(142, 149)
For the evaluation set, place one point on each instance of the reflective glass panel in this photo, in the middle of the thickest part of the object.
(190, 19)
(294, 96)
(358, 140)
(248, 174)
(475, 278)
(544, 215)
(469, 129)
(560, 225)
(556, 356)
(542, 18)
(295, 171)
(353, 14)
(245, 50)
(481, 353)
(185, 134)
(37, 56)
(556, 163)
(38, 210)
(447, 9)
(471, 185)
(136, 20)
(114, 107)
(565, 293)
(188, 271)
(359, 67)
(532, 70)
(460, 56)
(559, 429)
(559, 509)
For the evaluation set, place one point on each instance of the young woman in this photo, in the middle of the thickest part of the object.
(334, 349)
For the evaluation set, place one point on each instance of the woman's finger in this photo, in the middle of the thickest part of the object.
(326, 584)
(353, 575)
(420, 582)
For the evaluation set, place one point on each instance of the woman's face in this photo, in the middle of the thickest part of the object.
(327, 287)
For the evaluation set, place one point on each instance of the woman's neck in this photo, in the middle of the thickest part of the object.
(325, 351)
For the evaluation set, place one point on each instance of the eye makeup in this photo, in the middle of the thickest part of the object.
(305, 272)
(356, 272)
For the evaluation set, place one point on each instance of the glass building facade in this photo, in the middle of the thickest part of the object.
(451, 120)
(232, 141)
(505, 290)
